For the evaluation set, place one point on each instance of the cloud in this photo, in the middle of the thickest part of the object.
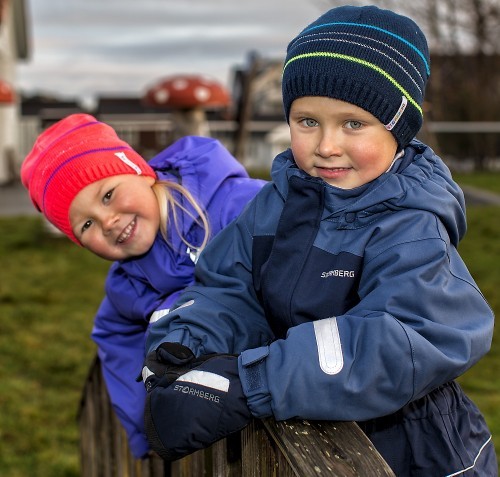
(85, 47)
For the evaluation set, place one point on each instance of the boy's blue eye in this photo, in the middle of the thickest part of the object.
(310, 123)
(353, 124)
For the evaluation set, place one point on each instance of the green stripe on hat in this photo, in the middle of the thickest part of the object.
(374, 67)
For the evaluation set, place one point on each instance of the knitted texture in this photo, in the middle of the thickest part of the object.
(68, 156)
(373, 58)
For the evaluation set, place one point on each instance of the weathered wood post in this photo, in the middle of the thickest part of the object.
(294, 448)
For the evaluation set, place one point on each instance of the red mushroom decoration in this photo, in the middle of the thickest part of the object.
(188, 96)
(7, 95)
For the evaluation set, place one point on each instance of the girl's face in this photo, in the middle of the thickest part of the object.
(117, 217)
(339, 142)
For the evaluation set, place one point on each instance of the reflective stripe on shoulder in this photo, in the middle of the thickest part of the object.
(330, 356)
(159, 314)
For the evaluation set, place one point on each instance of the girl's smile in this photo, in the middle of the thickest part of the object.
(127, 232)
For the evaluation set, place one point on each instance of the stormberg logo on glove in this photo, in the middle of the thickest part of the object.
(202, 378)
(201, 406)
(197, 393)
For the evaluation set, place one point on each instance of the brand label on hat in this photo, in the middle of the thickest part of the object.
(126, 160)
(390, 125)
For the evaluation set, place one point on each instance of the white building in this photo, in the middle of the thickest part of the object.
(13, 47)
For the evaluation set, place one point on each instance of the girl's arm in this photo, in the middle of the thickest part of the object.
(120, 343)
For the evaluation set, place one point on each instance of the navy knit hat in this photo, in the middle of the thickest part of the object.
(373, 58)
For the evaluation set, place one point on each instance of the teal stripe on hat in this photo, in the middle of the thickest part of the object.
(372, 66)
(400, 38)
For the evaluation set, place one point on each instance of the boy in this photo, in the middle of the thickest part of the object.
(340, 287)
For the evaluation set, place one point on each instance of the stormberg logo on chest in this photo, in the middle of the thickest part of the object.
(338, 273)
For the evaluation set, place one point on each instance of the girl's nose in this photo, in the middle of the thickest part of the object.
(109, 221)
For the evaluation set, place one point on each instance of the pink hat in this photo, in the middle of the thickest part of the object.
(69, 155)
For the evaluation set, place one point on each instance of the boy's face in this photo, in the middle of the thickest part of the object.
(117, 217)
(339, 142)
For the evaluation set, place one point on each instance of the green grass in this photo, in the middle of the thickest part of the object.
(49, 292)
(481, 252)
(489, 181)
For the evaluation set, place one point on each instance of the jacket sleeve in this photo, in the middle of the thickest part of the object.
(120, 330)
(120, 343)
(432, 325)
(221, 313)
(230, 200)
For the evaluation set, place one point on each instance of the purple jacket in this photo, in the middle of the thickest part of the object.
(137, 288)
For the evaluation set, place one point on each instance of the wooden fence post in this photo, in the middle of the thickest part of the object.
(293, 448)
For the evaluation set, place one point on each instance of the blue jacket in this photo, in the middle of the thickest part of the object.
(137, 288)
(344, 304)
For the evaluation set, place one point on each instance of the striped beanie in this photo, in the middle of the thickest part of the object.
(373, 58)
(71, 154)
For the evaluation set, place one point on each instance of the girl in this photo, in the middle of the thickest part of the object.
(152, 219)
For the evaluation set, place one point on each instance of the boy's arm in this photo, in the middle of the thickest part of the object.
(221, 313)
(420, 322)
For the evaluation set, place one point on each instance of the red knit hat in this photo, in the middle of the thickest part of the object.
(68, 156)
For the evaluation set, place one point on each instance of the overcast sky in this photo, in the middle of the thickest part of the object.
(88, 47)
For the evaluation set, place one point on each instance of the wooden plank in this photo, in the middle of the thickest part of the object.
(105, 443)
(193, 465)
(265, 448)
(327, 448)
(259, 454)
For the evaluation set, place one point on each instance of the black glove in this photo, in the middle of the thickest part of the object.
(165, 365)
(202, 406)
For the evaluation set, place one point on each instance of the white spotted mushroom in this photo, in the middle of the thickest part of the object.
(188, 97)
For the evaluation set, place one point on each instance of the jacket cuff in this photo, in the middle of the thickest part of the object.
(252, 371)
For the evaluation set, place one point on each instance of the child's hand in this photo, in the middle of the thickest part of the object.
(199, 408)
(166, 364)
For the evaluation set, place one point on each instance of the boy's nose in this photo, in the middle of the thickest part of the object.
(329, 144)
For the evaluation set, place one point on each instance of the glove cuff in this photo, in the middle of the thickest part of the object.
(174, 353)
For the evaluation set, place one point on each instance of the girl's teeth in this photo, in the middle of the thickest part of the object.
(126, 233)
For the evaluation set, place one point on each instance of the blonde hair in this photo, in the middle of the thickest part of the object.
(170, 207)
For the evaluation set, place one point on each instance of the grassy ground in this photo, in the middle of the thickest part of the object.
(49, 291)
(483, 180)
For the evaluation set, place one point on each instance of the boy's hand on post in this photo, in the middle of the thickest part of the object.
(200, 407)
(166, 364)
